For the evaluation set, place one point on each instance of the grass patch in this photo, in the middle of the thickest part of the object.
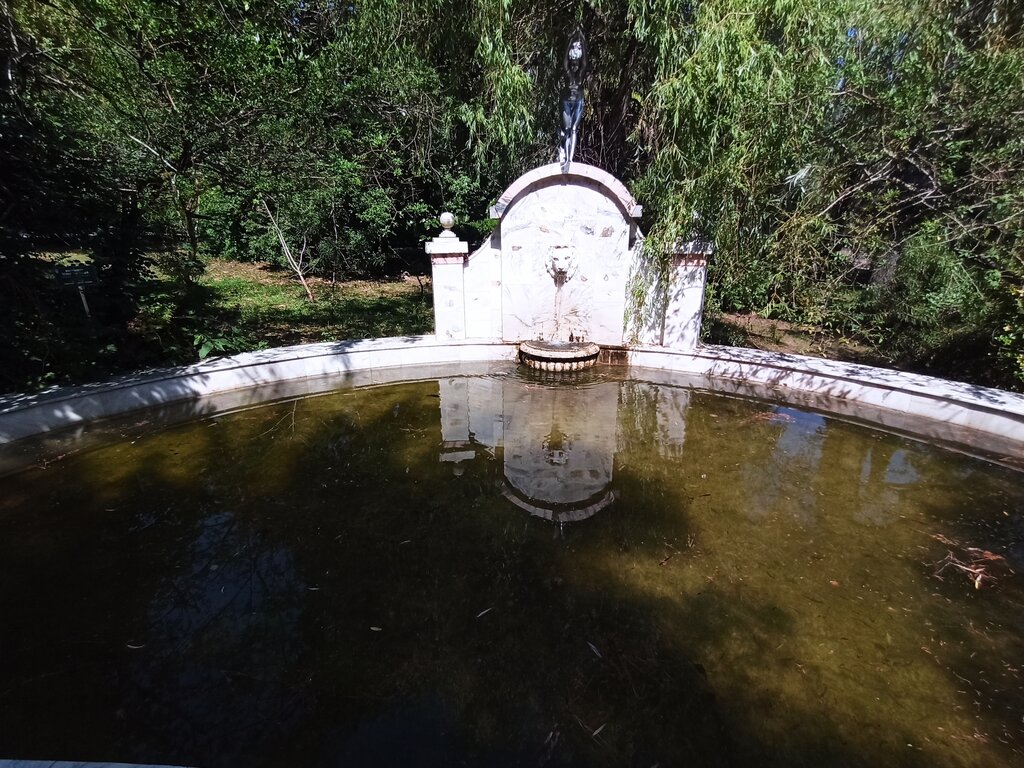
(157, 322)
(241, 307)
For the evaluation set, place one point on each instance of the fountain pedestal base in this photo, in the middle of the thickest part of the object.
(558, 355)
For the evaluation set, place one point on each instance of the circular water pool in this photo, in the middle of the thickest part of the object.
(499, 570)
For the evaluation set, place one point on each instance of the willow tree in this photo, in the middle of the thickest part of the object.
(813, 139)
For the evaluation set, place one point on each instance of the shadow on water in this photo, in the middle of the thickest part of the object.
(340, 580)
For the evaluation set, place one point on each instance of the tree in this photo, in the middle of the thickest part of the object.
(815, 141)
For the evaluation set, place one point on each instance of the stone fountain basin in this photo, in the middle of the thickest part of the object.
(559, 355)
(971, 418)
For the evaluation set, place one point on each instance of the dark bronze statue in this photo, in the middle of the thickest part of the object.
(572, 97)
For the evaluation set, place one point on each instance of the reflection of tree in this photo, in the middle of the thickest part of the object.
(236, 592)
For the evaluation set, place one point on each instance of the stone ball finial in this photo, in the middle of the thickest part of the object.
(447, 220)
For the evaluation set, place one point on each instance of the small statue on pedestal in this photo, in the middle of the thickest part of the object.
(575, 63)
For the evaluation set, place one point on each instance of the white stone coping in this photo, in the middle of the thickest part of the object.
(22, 416)
(951, 412)
(697, 247)
(446, 244)
(576, 170)
(981, 418)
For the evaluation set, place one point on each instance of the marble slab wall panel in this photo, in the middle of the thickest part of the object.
(575, 226)
(449, 299)
(482, 279)
(684, 306)
(649, 287)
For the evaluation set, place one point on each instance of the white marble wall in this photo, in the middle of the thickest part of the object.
(582, 223)
(559, 266)
(684, 304)
(449, 299)
(575, 226)
(483, 292)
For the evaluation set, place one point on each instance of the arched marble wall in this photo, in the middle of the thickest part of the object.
(558, 267)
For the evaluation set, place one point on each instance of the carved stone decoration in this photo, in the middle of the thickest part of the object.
(546, 356)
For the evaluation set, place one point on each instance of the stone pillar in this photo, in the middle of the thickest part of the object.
(448, 261)
(685, 306)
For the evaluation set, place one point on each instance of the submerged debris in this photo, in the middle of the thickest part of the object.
(981, 567)
(772, 417)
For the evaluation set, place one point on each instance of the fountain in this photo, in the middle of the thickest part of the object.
(548, 287)
(552, 277)
(415, 546)
(489, 566)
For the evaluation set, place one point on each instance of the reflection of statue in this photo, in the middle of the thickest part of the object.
(572, 97)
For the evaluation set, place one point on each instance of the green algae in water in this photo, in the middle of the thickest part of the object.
(498, 570)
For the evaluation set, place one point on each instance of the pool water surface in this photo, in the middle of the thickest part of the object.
(506, 569)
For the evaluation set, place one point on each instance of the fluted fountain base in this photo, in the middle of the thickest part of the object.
(558, 355)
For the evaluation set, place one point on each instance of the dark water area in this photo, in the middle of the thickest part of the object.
(501, 570)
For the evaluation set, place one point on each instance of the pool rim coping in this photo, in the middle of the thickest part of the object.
(957, 411)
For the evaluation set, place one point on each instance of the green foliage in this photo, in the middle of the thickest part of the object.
(812, 135)
(220, 345)
(804, 137)
(932, 299)
(1011, 336)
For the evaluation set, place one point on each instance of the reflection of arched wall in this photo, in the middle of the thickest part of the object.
(556, 443)
(560, 444)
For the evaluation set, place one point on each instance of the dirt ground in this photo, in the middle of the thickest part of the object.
(780, 336)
